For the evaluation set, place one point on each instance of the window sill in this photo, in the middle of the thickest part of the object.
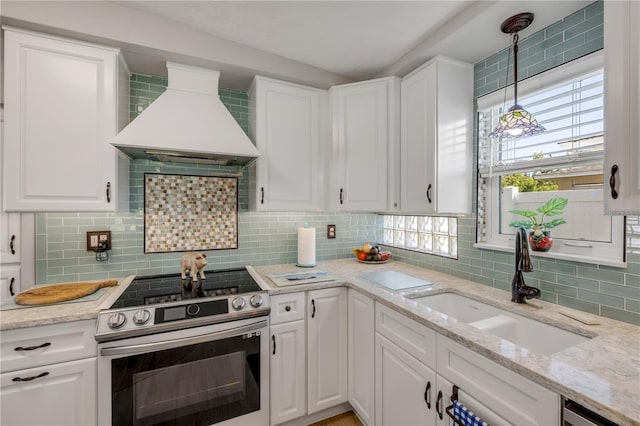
(560, 256)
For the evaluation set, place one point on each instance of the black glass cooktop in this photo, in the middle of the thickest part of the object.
(171, 288)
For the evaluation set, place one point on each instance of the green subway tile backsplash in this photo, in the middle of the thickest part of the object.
(270, 238)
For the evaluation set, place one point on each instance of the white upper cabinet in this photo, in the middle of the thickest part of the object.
(436, 138)
(61, 100)
(622, 107)
(287, 122)
(365, 145)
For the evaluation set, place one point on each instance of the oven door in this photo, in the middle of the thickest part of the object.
(216, 374)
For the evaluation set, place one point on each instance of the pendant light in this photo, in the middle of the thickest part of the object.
(516, 122)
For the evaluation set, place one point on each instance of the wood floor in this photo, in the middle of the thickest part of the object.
(345, 419)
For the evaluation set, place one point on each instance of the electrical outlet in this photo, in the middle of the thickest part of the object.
(95, 239)
(331, 232)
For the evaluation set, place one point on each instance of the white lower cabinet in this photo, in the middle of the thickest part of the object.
(49, 375)
(308, 353)
(327, 348)
(288, 368)
(416, 370)
(495, 390)
(58, 394)
(404, 387)
(361, 336)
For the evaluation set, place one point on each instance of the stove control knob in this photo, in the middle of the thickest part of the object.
(193, 310)
(141, 316)
(256, 300)
(238, 303)
(116, 320)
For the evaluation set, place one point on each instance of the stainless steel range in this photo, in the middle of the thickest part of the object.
(171, 352)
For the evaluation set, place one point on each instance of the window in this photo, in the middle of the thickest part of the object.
(427, 234)
(564, 161)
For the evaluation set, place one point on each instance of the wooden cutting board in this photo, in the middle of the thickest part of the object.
(56, 293)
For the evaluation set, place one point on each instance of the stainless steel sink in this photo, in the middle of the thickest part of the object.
(539, 337)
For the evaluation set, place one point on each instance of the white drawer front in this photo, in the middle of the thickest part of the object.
(515, 398)
(287, 307)
(411, 336)
(35, 346)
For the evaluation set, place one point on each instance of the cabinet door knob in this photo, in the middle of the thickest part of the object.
(612, 181)
(28, 379)
(108, 192)
(429, 193)
(427, 395)
(11, 292)
(11, 244)
(287, 308)
(32, 348)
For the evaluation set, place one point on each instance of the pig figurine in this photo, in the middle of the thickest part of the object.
(194, 263)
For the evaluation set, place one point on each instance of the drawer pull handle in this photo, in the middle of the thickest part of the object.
(28, 379)
(439, 405)
(108, 192)
(273, 338)
(427, 395)
(11, 292)
(262, 195)
(33, 348)
(313, 305)
(11, 244)
(341, 199)
(429, 193)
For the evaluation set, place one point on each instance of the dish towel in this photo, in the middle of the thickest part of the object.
(466, 417)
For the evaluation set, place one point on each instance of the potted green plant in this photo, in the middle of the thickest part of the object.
(540, 230)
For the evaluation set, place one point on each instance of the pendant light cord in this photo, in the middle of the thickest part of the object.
(515, 68)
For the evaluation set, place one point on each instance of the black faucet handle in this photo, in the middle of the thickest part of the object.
(530, 292)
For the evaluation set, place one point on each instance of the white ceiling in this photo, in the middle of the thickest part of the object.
(361, 39)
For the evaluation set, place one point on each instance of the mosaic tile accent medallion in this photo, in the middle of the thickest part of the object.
(186, 213)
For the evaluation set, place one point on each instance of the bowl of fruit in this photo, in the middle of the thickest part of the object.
(371, 254)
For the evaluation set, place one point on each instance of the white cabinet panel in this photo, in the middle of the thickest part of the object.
(365, 145)
(288, 371)
(361, 334)
(60, 114)
(10, 241)
(405, 387)
(509, 395)
(58, 394)
(37, 346)
(327, 348)
(10, 282)
(622, 107)
(286, 123)
(436, 138)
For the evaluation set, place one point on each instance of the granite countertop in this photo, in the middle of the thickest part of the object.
(76, 310)
(603, 373)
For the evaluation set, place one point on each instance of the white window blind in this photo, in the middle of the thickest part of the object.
(572, 111)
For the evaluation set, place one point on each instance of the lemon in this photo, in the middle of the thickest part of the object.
(366, 248)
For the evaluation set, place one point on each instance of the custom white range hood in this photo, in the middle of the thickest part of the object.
(187, 123)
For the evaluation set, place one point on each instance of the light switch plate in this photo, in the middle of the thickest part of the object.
(331, 232)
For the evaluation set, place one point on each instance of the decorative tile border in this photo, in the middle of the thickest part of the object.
(188, 213)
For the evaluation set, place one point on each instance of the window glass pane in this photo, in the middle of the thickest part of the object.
(398, 222)
(411, 240)
(388, 221)
(441, 225)
(425, 224)
(398, 238)
(411, 223)
(388, 237)
(426, 242)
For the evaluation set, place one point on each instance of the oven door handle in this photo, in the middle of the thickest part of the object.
(176, 343)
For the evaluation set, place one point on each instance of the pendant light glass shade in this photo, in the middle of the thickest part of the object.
(517, 122)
